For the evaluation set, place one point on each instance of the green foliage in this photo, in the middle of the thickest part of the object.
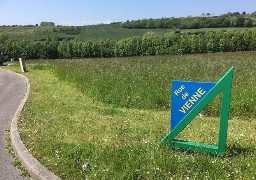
(148, 44)
(226, 20)
(30, 50)
(16, 162)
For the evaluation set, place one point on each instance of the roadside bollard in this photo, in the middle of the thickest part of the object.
(22, 65)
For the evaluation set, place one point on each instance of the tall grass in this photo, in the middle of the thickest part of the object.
(145, 82)
(77, 137)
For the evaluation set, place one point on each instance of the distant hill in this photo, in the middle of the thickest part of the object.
(117, 31)
(114, 32)
(92, 32)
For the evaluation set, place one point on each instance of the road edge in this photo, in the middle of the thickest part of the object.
(32, 165)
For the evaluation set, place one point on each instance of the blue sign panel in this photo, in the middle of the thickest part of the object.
(185, 96)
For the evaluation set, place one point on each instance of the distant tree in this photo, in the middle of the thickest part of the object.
(44, 23)
(208, 14)
(225, 22)
(208, 21)
(244, 13)
(248, 23)
(236, 13)
(203, 14)
(240, 21)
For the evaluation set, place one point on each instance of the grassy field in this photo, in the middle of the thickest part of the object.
(93, 32)
(78, 137)
(145, 82)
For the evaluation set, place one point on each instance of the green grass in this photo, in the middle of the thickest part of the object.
(114, 32)
(65, 129)
(145, 82)
(16, 162)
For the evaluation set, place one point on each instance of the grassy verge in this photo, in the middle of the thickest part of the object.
(78, 137)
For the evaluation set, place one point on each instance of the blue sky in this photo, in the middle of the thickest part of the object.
(84, 12)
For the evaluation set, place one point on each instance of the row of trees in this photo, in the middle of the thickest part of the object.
(192, 22)
(148, 44)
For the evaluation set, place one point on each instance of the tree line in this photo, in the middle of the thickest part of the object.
(148, 44)
(226, 20)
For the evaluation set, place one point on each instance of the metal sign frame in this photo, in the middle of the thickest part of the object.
(224, 85)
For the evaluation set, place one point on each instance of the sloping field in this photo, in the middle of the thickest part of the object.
(92, 32)
(39, 33)
(113, 31)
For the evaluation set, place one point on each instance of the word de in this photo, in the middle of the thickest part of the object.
(178, 91)
(192, 100)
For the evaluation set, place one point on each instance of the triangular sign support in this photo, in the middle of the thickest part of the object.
(224, 85)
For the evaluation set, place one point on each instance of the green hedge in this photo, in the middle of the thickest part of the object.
(148, 44)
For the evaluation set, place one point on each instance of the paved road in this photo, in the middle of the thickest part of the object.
(12, 91)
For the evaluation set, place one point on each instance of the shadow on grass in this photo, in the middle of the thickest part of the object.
(235, 150)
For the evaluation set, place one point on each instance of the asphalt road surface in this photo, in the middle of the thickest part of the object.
(12, 91)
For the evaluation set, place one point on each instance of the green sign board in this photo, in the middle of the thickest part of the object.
(188, 99)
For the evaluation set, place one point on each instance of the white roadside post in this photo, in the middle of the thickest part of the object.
(22, 65)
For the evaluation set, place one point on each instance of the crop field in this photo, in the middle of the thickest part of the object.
(104, 118)
(92, 32)
(114, 32)
(34, 33)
